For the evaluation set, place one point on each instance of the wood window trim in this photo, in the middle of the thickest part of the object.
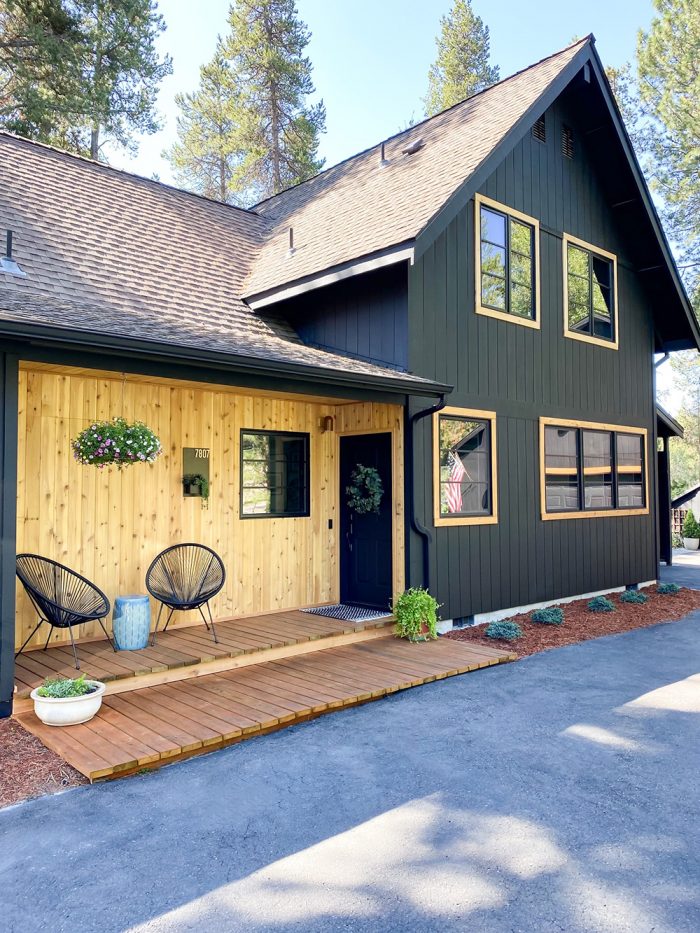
(591, 513)
(439, 520)
(479, 201)
(567, 239)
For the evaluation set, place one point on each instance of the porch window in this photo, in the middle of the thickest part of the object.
(274, 474)
(590, 470)
(507, 263)
(465, 467)
(590, 293)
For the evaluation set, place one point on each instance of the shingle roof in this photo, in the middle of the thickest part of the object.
(361, 206)
(111, 253)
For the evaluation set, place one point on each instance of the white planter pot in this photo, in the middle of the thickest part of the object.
(68, 711)
(691, 544)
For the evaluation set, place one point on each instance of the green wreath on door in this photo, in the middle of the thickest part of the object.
(365, 491)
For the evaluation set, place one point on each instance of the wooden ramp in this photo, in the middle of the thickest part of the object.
(145, 728)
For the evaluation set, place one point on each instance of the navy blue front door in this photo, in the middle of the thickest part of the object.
(365, 540)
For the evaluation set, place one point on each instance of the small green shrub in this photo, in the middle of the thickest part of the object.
(668, 589)
(506, 630)
(600, 604)
(633, 596)
(551, 616)
(691, 528)
(59, 688)
(415, 609)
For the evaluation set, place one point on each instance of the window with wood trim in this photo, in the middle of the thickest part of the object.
(507, 263)
(590, 293)
(274, 474)
(592, 470)
(465, 475)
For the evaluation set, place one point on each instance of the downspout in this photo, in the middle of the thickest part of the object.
(416, 525)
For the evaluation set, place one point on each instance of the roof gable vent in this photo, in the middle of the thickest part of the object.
(567, 142)
(539, 130)
(415, 146)
(7, 263)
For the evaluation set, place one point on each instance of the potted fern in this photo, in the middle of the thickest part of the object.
(66, 701)
(416, 615)
(691, 532)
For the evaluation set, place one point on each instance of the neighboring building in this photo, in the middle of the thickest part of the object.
(471, 307)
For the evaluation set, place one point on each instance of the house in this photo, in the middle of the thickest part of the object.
(471, 307)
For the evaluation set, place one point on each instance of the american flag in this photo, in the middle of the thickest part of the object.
(453, 491)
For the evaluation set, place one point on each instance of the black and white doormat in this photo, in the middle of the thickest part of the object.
(348, 613)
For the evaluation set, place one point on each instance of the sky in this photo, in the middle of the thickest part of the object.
(371, 57)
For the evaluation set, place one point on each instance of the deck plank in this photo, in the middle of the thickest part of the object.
(148, 726)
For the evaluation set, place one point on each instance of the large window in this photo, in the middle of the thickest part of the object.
(274, 474)
(465, 475)
(590, 292)
(591, 470)
(507, 263)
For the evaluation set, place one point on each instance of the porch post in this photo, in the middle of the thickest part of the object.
(9, 376)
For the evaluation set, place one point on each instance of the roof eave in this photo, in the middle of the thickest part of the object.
(47, 335)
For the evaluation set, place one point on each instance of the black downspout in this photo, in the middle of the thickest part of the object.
(416, 524)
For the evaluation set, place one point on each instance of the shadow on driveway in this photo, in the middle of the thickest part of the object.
(557, 793)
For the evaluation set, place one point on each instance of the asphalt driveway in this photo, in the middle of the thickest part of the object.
(556, 794)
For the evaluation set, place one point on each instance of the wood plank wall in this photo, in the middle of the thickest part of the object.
(109, 525)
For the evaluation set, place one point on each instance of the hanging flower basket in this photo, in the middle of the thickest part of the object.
(365, 490)
(116, 443)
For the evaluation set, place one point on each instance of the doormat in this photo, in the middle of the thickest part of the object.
(348, 613)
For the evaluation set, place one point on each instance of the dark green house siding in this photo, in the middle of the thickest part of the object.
(522, 374)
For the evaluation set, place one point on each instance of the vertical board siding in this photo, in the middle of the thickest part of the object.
(109, 524)
(522, 374)
(364, 316)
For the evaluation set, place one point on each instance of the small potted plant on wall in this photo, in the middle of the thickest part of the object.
(66, 701)
(416, 615)
(691, 532)
(196, 485)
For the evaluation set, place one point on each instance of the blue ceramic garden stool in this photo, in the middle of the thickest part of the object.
(131, 622)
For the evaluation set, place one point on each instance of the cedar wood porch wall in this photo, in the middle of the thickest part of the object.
(108, 525)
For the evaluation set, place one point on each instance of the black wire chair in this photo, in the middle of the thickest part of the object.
(61, 597)
(185, 576)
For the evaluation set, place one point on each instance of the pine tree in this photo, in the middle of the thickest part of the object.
(669, 87)
(462, 65)
(206, 157)
(271, 134)
(40, 46)
(101, 75)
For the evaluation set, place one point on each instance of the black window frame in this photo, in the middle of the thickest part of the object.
(305, 437)
(507, 278)
(615, 506)
(591, 253)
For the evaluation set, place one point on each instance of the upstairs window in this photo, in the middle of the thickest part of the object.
(274, 474)
(590, 469)
(567, 142)
(590, 305)
(539, 130)
(507, 263)
(465, 467)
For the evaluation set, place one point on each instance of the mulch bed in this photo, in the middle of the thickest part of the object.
(580, 623)
(28, 768)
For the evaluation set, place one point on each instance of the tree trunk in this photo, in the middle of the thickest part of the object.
(222, 179)
(95, 143)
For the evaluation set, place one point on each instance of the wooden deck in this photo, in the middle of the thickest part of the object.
(145, 728)
(191, 651)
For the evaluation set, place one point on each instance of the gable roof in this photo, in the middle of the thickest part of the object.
(362, 206)
(108, 253)
(124, 259)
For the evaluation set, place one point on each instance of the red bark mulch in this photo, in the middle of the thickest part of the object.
(28, 768)
(580, 623)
